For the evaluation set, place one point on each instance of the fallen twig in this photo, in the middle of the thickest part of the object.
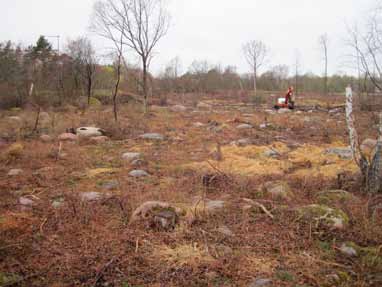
(264, 209)
(103, 269)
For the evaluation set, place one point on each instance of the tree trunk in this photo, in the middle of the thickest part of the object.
(145, 90)
(255, 81)
(374, 175)
(89, 88)
(116, 89)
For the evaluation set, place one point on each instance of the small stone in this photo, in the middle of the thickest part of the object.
(178, 108)
(348, 250)
(198, 125)
(67, 137)
(91, 196)
(25, 201)
(165, 219)
(138, 162)
(243, 142)
(263, 126)
(152, 136)
(244, 127)
(225, 231)
(212, 205)
(270, 153)
(15, 172)
(278, 189)
(344, 153)
(57, 203)
(261, 282)
(46, 138)
(110, 185)
(138, 173)
(131, 156)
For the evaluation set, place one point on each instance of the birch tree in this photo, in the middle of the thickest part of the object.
(323, 42)
(255, 53)
(371, 170)
(142, 24)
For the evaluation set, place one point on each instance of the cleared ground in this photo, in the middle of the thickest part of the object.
(251, 232)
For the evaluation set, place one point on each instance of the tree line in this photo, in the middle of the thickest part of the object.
(40, 75)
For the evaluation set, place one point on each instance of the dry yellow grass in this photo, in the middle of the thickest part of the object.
(186, 254)
(309, 160)
(247, 161)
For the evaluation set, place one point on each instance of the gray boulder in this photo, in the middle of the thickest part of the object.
(138, 173)
(152, 136)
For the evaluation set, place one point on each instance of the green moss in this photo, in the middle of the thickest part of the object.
(331, 217)
(8, 279)
(333, 196)
(94, 102)
(285, 276)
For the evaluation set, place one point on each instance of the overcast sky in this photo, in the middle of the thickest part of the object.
(212, 30)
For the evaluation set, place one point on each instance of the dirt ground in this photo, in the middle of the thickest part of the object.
(50, 235)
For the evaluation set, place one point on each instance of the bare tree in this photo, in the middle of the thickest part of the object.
(371, 170)
(142, 24)
(83, 54)
(255, 53)
(323, 42)
(102, 26)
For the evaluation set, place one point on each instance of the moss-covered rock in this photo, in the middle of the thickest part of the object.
(330, 217)
(333, 196)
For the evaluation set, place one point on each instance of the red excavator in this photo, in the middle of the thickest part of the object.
(287, 102)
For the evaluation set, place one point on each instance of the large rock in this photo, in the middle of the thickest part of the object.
(342, 152)
(368, 147)
(152, 136)
(278, 189)
(68, 137)
(89, 132)
(329, 217)
(158, 214)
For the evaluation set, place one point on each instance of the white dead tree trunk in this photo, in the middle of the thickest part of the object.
(371, 171)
